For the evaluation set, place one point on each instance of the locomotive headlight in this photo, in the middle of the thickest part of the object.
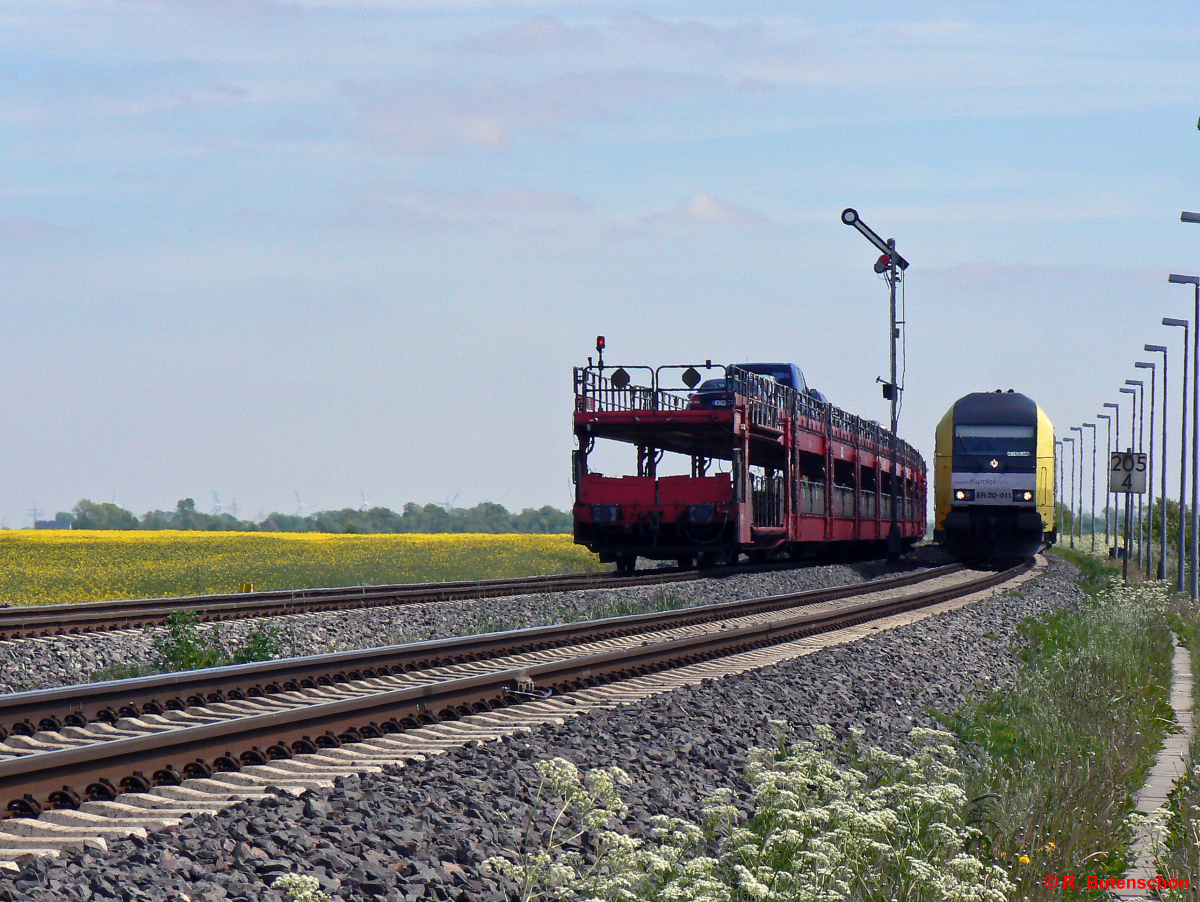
(964, 494)
(701, 513)
(1022, 495)
(604, 513)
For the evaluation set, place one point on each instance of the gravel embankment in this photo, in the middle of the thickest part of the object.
(68, 660)
(420, 832)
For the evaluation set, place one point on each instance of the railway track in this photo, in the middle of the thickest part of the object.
(31, 621)
(145, 771)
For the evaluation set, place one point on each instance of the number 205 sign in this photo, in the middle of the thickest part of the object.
(1127, 472)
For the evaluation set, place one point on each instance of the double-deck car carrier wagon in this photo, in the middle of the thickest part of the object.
(773, 471)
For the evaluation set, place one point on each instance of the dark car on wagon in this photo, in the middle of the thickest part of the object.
(716, 393)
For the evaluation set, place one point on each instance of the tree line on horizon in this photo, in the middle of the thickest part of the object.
(485, 517)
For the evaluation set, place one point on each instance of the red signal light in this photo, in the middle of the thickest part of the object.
(883, 264)
(599, 342)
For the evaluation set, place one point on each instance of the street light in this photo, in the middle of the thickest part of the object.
(1128, 499)
(1162, 495)
(1067, 438)
(892, 264)
(1182, 323)
(1079, 521)
(1058, 485)
(1194, 281)
(1091, 426)
(1116, 409)
(1141, 433)
(1141, 364)
(1108, 448)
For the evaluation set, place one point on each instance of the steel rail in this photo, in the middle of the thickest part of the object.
(26, 713)
(30, 783)
(29, 621)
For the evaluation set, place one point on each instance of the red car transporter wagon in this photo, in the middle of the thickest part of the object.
(773, 471)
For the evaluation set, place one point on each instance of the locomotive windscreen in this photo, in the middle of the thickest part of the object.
(995, 448)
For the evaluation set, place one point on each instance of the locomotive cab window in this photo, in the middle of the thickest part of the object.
(986, 448)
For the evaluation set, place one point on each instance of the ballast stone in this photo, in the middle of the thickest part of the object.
(70, 660)
(421, 832)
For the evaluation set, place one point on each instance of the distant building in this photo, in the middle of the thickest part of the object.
(52, 524)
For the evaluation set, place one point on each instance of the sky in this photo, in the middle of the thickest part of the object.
(311, 254)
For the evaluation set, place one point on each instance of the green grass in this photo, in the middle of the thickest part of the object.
(1095, 574)
(1058, 756)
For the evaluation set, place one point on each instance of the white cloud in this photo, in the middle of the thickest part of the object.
(436, 116)
(702, 209)
(397, 204)
(541, 34)
(548, 34)
(638, 25)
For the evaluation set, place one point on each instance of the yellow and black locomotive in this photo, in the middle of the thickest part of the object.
(994, 477)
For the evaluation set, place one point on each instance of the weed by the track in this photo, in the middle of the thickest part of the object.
(184, 645)
(300, 888)
(884, 827)
(623, 606)
(1095, 573)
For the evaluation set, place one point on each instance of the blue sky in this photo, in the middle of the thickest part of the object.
(347, 249)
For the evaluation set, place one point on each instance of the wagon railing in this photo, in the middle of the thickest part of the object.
(596, 391)
(767, 402)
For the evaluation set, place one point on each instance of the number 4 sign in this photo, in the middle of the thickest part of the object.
(1127, 472)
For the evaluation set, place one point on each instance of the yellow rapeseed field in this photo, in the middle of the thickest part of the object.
(50, 567)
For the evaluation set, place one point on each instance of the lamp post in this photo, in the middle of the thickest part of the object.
(893, 265)
(1162, 495)
(1142, 364)
(1091, 426)
(1116, 409)
(1141, 432)
(1078, 521)
(1108, 448)
(1072, 531)
(1128, 499)
(1194, 281)
(1182, 323)
(1058, 485)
